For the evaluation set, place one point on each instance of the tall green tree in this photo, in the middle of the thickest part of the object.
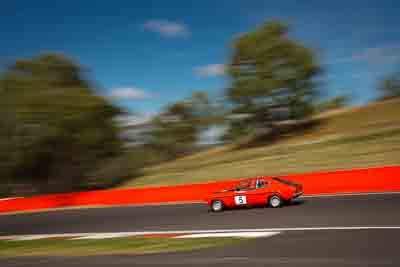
(54, 129)
(270, 70)
(336, 102)
(390, 86)
(178, 128)
(174, 131)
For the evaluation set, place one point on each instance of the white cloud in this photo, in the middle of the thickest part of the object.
(135, 119)
(167, 28)
(129, 93)
(212, 135)
(210, 70)
(376, 55)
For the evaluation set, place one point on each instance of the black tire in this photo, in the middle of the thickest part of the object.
(217, 206)
(275, 201)
(287, 202)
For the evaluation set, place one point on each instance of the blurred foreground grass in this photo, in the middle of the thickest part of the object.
(134, 245)
(359, 137)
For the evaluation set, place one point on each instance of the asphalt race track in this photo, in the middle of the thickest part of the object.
(368, 247)
(322, 248)
(372, 210)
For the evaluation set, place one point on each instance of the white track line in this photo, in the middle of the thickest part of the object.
(231, 234)
(188, 232)
(36, 237)
(102, 236)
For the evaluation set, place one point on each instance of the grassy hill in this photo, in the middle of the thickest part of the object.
(358, 137)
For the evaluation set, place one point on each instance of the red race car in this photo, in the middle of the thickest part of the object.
(256, 191)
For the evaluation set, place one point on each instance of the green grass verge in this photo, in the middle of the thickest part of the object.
(134, 245)
(356, 138)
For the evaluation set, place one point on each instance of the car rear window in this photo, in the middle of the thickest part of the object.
(284, 181)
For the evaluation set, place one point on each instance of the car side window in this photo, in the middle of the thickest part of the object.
(243, 186)
(261, 184)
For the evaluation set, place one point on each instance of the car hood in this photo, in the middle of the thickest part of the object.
(224, 191)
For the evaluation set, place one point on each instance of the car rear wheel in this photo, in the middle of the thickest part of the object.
(275, 201)
(217, 206)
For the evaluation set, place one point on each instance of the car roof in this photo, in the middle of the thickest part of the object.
(256, 178)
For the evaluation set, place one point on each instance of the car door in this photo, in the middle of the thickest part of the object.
(240, 196)
(259, 195)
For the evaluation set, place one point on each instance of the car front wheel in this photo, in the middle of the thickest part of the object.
(217, 206)
(275, 201)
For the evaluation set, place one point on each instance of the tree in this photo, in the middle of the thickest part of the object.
(336, 102)
(390, 86)
(205, 112)
(178, 128)
(54, 129)
(269, 72)
(174, 130)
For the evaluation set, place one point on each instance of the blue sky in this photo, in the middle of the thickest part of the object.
(146, 54)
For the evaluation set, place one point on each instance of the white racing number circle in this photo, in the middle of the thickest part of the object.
(240, 200)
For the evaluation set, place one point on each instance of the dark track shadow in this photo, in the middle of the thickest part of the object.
(291, 204)
(296, 202)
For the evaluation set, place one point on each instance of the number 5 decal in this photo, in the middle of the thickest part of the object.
(240, 200)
